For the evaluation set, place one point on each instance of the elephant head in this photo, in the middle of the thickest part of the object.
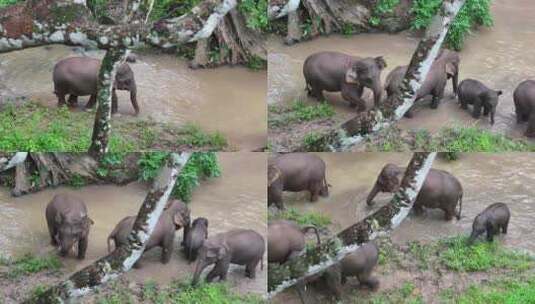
(275, 185)
(213, 251)
(71, 229)
(125, 81)
(367, 73)
(489, 100)
(451, 61)
(179, 212)
(478, 228)
(387, 181)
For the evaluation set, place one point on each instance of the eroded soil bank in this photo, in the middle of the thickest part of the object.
(500, 56)
(236, 199)
(227, 99)
(486, 179)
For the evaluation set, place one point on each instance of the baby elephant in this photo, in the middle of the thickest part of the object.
(78, 76)
(358, 264)
(195, 237)
(524, 97)
(175, 216)
(286, 240)
(238, 246)
(474, 92)
(68, 223)
(491, 220)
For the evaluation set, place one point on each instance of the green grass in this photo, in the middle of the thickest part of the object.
(33, 127)
(507, 291)
(8, 2)
(28, 264)
(297, 112)
(403, 295)
(482, 256)
(303, 218)
(382, 8)
(474, 13)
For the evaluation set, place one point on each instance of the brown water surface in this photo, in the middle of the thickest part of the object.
(501, 57)
(230, 100)
(234, 200)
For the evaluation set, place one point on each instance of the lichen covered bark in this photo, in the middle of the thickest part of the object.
(317, 259)
(106, 77)
(124, 257)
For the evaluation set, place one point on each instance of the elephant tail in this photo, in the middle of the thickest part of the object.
(460, 206)
(307, 228)
(262, 263)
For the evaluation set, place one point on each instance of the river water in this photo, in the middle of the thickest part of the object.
(486, 179)
(230, 100)
(236, 199)
(500, 56)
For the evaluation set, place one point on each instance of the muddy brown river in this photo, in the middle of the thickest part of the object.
(500, 56)
(486, 179)
(236, 199)
(230, 100)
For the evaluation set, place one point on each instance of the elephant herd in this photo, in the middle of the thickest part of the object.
(296, 172)
(69, 225)
(78, 76)
(349, 75)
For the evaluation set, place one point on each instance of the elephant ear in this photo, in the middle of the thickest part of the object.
(380, 61)
(178, 220)
(351, 75)
(274, 174)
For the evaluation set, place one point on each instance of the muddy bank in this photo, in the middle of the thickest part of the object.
(234, 200)
(168, 91)
(499, 56)
(486, 179)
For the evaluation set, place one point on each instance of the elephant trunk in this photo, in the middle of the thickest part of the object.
(455, 82)
(377, 93)
(133, 98)
(473, 237)
(200, 265)
(376, 189)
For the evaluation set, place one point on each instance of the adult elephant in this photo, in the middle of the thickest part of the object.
(446, 66)
(524, 98)
(286, 240)
(296, 172)
(440, 190)
(339, 72)
(78, 76)
(238, 246)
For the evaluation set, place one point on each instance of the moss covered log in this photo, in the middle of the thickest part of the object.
(317, 259)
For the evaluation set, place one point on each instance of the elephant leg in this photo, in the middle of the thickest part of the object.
(490, 233)
(519, 114)
(476, 111)
(438, 94)
(486, 110)
(530, 131)
(82, 248)
(167, 247)
(133, 100)
(314, 192)
(61, 99)
(418, 209)
(250, 269)
(449, 213)
(114, 105)
(92, 101)
(73, 100)
(504, 227)
(52, 231)
(316, 92)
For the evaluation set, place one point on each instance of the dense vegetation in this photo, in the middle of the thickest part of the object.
(302, 218)
(33, 127)
(201, 165)
(8, 2)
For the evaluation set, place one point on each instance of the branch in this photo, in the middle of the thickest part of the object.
(383, 221)
(124, 257)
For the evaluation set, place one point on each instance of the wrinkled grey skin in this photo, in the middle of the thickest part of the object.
(238, 246)
(475, 93)
(491, 220)
(195, 237)
(174, 217)
(440, 190)
(68, 224)
(78, 76)
(445, 67)
(338, 72)
(524, 97)
(358, 264)
(296, 172)
(286, 240)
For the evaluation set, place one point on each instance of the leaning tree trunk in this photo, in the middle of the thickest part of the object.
(124, 257)
(316, 260)
(364, 124)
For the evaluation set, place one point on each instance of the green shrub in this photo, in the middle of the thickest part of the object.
(511, 290)
(8, 2)
(382, 8)
(255, 12)
(474, 13)
(28, 264)
(200, 165)
(303, 218)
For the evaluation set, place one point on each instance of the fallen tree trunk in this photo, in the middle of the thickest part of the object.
(353, 131)
(124, 257)
(316, 260)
